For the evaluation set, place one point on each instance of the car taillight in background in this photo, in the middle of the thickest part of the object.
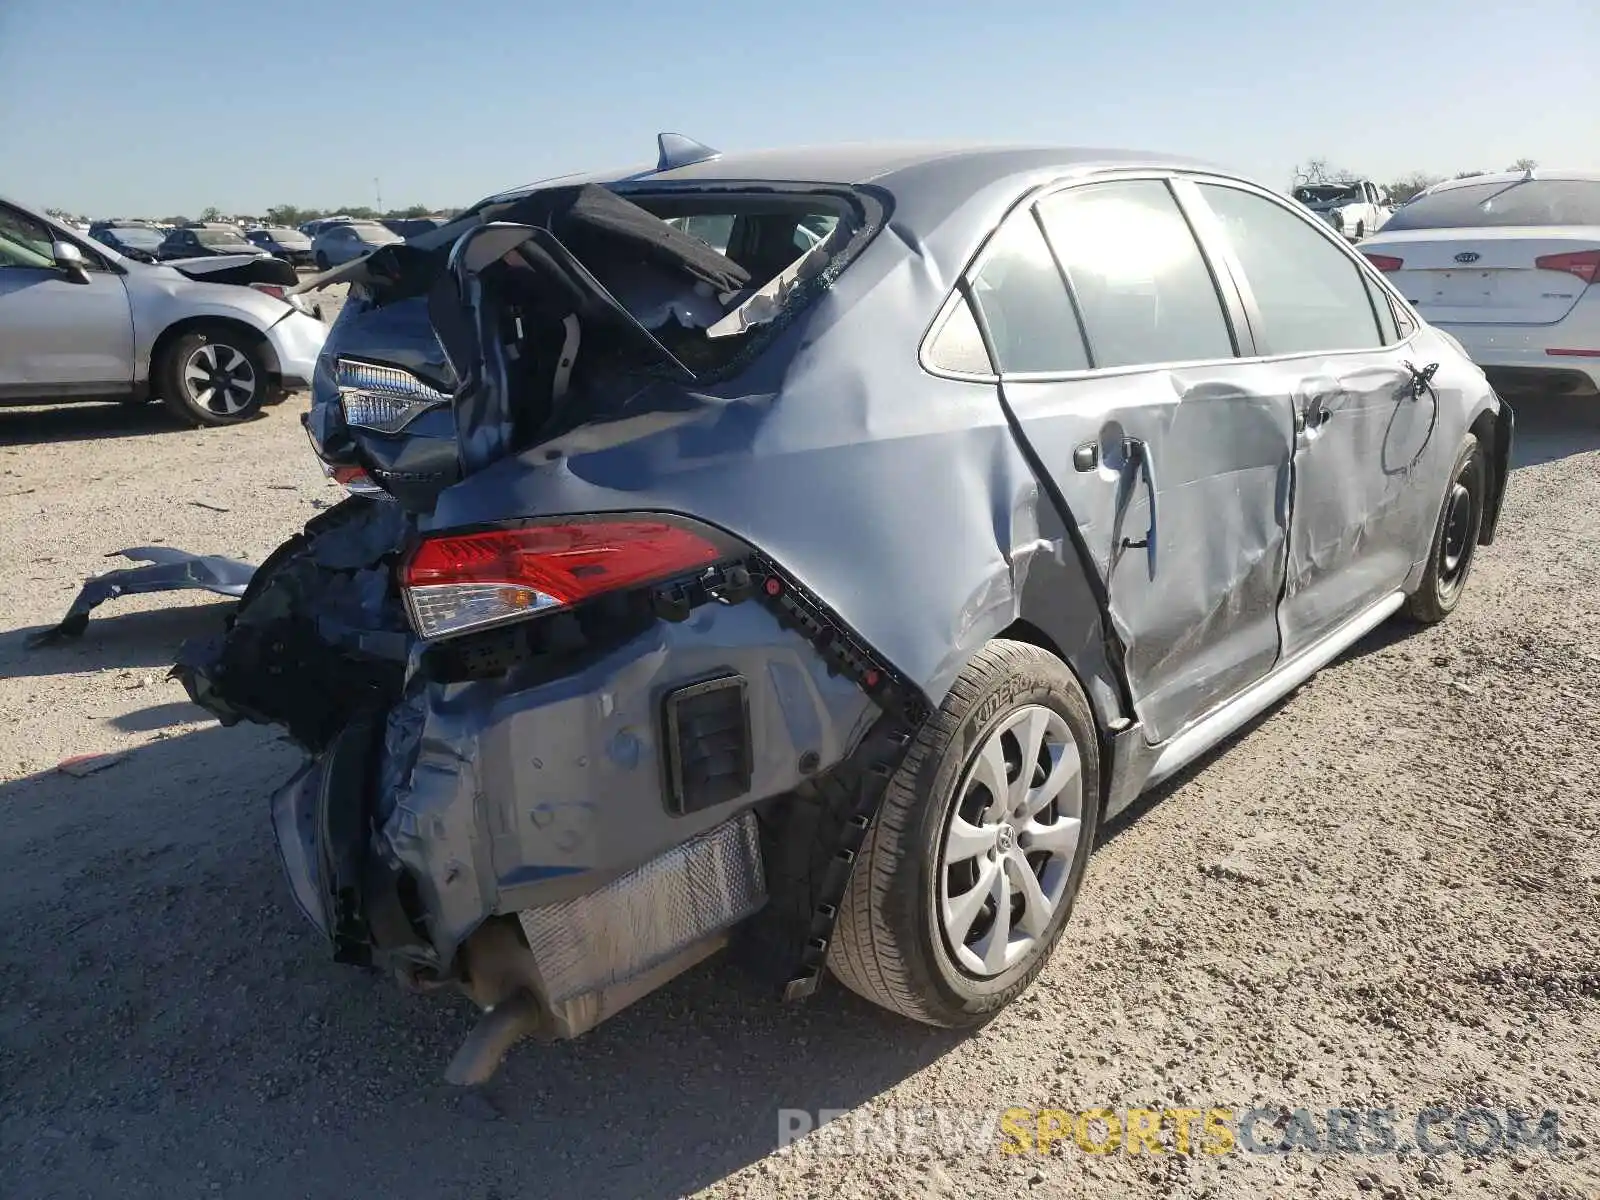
(454, 583)
(1385, 262)
(1585, 264)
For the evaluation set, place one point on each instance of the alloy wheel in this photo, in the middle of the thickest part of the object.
(1010, 840)
(220, 379)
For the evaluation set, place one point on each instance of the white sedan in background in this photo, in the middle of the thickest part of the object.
(1509, 265)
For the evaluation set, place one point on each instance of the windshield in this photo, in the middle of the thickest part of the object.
(1321, 193)
(1492, 205)
(220, 237)
(285, 237)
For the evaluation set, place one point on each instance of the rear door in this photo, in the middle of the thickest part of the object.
(1116, 349)
(1364, 440)
(58, 337)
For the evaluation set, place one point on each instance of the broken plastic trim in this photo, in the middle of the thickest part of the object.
(171, 571)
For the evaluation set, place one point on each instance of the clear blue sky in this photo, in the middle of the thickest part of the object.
(121, 106)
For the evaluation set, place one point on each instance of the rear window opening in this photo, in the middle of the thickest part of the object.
(562, 305)
(785, 245)
(703, 272)
(685, 283)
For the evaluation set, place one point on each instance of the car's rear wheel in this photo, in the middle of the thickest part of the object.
(213, 376)
(971, 868)
(1455, 538)
(322, 261)
(1361, 230)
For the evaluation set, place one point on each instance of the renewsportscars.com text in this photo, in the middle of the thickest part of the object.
(1016, 1130)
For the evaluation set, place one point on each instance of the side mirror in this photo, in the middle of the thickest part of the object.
(71, 261)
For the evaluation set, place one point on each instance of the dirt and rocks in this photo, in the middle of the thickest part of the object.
(1385, 895)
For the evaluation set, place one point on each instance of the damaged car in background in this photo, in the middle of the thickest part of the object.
(818, 593)
(213, 338)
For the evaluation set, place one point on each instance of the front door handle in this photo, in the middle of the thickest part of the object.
(1138, 464)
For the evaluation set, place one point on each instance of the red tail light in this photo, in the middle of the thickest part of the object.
(1585, 264)
(457, 582)
(1385, 262)
(272, 289)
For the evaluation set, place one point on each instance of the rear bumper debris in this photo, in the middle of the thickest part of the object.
(170, 570)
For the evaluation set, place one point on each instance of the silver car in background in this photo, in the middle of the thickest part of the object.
(336, 244)
(214, 338)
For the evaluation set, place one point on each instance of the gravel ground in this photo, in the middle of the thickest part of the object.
(1386, 894)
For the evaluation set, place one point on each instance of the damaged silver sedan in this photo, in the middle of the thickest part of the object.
(803, 551)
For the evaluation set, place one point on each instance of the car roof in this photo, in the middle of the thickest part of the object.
(854, 163)
(1515, 176)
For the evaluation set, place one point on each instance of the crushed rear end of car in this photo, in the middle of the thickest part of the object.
(562, 746)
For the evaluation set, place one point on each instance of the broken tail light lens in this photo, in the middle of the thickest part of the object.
(383, 399)
(454, 583)
(1385, 262)
(1585, 264)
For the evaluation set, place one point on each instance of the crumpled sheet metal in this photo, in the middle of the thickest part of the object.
(170, 570)
(649, 915)
(499, 796)
(322, 635)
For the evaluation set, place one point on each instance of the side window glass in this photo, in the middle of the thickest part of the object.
(1025, 304)
(24, 241)
(1140, 280)
(1311, 295)
(958, 346)
(1403, 321)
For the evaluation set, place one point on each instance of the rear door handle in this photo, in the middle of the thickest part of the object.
(1313, 415)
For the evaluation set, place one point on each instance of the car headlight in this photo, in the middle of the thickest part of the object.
(383, 399)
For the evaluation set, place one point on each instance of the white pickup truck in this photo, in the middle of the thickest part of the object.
(1354, 208)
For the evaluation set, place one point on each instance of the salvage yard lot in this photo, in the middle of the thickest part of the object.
(1386, 894)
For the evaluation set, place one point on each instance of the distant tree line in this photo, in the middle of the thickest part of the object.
(1320, 170)
(290, 215)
